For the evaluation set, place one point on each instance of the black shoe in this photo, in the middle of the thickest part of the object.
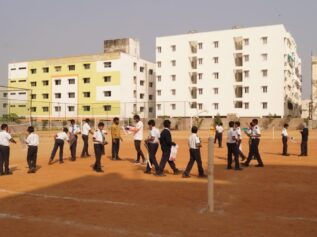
(259, 165)
(30, 171)
(245, 164)
(238, 168)
(147, 172)
(1, 173)
(72, 159)
(61, 161)
(243, 158)
(8, 173)
(176, 172)
(99, 171)
(185, 175)
(50, 162)
(202, 176)
(285, 154)
(229, 168)
(160, 174)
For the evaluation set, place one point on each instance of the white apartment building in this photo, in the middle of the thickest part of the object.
(250, 72)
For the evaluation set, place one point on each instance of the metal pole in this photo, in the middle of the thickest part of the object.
(211, 174)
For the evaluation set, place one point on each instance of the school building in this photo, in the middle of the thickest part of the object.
(314, 88)
(249, 72)
(115, 83)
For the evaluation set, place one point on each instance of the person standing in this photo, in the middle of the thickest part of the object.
(239, 140)
(116, 138)
(99, 143)
(152, 143)
(5, 139)
(59, 143)
(232, 146)
(304, 142)
(219, 130)
(85, 136)
(74, 130)
(284, 139)
(255, 141)
(138, 137)
(32, 141)
(216, 133)
(166, 146)
(194, 154)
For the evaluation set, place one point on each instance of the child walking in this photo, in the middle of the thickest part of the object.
(32, 141)
(99, 142)
(59, 143)
(5, 139)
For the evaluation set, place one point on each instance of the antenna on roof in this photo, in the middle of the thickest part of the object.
(192, 31)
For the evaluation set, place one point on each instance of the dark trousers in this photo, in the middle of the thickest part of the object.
(85, 147)
(152, 152)
(233, 150)
(32, 157)
(240, 153)
(194, 155)
(254, 151)
(216, 137)
(137, 145)
(98, 154)
(73, 148)
(58, 144)
(4, 159)
(303, 147)
(165, 158)
(115, 148)
(220, 139)
(284, 141)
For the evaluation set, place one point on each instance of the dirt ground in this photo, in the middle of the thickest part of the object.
(71, 200)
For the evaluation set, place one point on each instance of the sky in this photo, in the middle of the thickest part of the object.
(39, 29)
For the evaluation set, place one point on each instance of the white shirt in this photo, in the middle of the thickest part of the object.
(219, 129)
(284, 132)
(155, 133)
(231, 134)
(256, 130)
(5, 138)
(86, 129)
(193, 141)
(99, 137)
(238, 130)
(139, 134)
(62, 136)
(74, 129)
(32, 140)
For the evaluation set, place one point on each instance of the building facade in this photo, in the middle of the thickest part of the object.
(115, 83)
(314, 88)
(249, 72)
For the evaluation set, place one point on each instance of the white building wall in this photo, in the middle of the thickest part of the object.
(18, 70)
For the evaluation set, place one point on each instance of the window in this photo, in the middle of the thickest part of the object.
(173, 77)
(141, 109)
(86, 94)
(141, 83)
(45, 109)
(22, 68)
(107, 107)
(71, 95)
(12, 81)
(22, 80)
(264, 40)
(193, 105)
(200, 61)
(264, 73)
(107, 93)
(71, 108)
(46, 70)
(200, 106)
(5, 94)
(173, 48)
(71, 67)
(33, 96)
(150, 109)
(246, 74)
(150, 97)
(33, 71)
(159, 49)
(22, 106)
(33, 109)
(134, 94)
(134, 80)
(173, 106)
(58, 95)
(58, 82)
(158, 106)
(45, 83)
(215, 59)
(159, 92)
(246, 89)
(216, 44)
(173, 92)
(216, 106)
(107, 79)
(57, 108)
(264, 105)
(71, 81)
(246, 105)
(246, 58)
(200, 76)
(86, 108)
(159, 64)
(173, 63)
(200, 91)
(264, 56)
(264, 89)
(141, 69)
(135, 66)
(246, 42)
(58, 68)
(13, 69)
(200, 45)
(150, 84)
(216, 75)
(107, 64)
(86, 65)
(141, 96)
(33, 83)
(12, 93)
(86, 80)
(159, 78)
(151, 72)
(5, 105)
(216, 91)
(45, 96)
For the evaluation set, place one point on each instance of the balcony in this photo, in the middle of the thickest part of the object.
(193, 77)
(238, 59)
(193, 46)
(238, 91)
(193, 62)
(238, 105)
(238, 43)
(238, 75)
(193, 92)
